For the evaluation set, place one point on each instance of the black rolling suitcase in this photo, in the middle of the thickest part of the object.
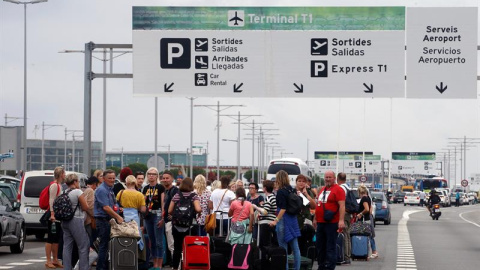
(123, 253)
(276, 258)
(220, 251)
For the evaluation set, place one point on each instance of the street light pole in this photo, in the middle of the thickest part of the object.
(238, 155)
(11, 117)
(24, 143)
(240, 118)
(168, 155)
(65, 148)
(156, 131)
(206, 158)
(44, 127)
(191, 136)
(218, 128)
(121, 156)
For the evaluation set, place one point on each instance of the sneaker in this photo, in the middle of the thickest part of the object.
(347, 262)
(374, 256)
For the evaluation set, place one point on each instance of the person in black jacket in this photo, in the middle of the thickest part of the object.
(170, 191)
(434, 199)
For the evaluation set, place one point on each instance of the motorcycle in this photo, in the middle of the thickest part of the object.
(436, 213)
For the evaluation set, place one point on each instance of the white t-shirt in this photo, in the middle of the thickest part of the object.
(73, 195)
(225, 203)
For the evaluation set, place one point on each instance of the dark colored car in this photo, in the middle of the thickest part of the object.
(382, 211)
(12, 225)
(398, 197)
(10, 191)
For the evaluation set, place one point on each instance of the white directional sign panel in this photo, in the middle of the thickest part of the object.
(199, 63)
(349, 162)
(269, 51)
(407, 163)
(338, 64)
(442, 52)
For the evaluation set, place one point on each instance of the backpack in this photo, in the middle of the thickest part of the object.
(183, 213)
(294, 203)
(43, 200)
(351, 204)
(62, 206)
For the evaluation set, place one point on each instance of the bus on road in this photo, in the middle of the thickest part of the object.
(427, 184)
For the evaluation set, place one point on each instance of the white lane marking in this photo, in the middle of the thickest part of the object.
(6, 267)
(19, 263)
(405, 254)
(471, 222)
(35, 260)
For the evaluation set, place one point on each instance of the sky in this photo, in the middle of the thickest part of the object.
(55, 93)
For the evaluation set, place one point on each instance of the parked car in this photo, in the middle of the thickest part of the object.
(444, 198)
(12, 225)
(473, 197)
(32, 184)
(10, 180)
(398, 197)
(382, 211)
(10, 191)
(412, 198)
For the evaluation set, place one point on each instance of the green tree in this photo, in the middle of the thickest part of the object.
(230, 174)
(248, 175)
(115, 168)
(138, 167)
(197, 171)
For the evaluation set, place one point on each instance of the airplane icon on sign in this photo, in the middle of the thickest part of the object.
(200, 61)
(200, 43)
(236, 19)
(318, 44)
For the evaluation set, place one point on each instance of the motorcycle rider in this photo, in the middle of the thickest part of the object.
(433, 199)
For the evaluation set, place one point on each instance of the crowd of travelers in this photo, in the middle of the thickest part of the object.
(153, 205)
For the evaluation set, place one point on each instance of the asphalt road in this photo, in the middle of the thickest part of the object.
(412, 241)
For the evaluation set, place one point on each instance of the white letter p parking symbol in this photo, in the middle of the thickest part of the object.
(175, 53)
(319, 69)
(172, 54)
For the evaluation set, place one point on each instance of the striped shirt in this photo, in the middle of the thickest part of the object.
(271, 206)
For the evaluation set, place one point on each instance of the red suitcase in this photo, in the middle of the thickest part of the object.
(196, 252)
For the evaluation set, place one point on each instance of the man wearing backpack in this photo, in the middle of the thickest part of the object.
(347, 242)
(53, 236)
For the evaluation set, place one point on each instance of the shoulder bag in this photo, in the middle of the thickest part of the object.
(211, 219)
(328, 215)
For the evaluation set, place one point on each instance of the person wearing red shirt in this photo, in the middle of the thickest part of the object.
(330, 204)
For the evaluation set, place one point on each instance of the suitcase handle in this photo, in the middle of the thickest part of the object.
(194, 244)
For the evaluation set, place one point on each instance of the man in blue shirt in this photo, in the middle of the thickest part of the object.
(104, 209)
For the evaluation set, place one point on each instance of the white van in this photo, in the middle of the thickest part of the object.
(293, 166)
(31, 186)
